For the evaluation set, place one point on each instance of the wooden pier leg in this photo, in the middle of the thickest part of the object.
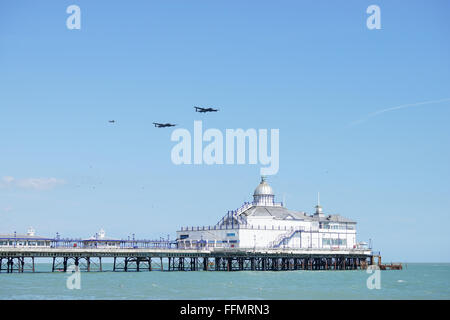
(205, 264)
(138, 262)
(100, 264)
(65, 264)
(217, 264)
(162, 265)
(125, 268)
(88, 263)
(21, 262)
(114, 265)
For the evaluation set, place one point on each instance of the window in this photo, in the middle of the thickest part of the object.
(334, 242)
(231, 234)
(184, 236)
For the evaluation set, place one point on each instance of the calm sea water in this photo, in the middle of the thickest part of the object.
(416, 281)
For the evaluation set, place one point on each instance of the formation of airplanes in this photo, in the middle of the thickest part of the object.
(197, 109)
(167, 125)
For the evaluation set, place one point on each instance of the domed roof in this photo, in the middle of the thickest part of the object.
(263, 188)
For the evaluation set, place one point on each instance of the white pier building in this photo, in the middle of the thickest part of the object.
(29, 240)
(264, 223)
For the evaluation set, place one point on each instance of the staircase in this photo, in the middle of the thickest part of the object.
(283, 237)
(236, 214)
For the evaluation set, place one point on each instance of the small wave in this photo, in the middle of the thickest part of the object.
(401, 281)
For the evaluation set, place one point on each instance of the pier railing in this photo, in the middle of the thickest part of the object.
(112, 243)
(238, 226)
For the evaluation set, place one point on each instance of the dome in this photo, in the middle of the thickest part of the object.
(263, 189)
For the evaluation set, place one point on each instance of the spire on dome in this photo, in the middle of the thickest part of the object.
(318, 206)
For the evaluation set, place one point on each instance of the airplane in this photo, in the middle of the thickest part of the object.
(204, 110)
(163, 125)
(112, 121)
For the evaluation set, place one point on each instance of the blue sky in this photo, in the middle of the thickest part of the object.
(308, 68)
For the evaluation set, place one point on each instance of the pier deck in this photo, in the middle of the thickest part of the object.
(141, 259)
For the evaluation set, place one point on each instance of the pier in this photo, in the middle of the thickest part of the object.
(19, 260)
(386, 266)
(261, 235)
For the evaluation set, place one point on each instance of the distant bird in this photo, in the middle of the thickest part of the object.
(204, 110)
(163, 125)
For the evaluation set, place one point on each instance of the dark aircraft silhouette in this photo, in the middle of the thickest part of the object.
(204, 110)
(112, 121)
(163, 125)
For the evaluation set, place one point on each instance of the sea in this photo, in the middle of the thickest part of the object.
(415, 281)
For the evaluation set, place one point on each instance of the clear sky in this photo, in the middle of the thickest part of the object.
(311, 69)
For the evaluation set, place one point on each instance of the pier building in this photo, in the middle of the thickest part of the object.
(99, 240)
(24, 240)
(264, 223)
